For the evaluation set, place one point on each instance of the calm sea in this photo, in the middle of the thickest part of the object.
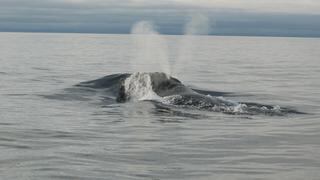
(81, 137)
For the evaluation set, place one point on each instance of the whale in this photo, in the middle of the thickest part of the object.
(162, 88)
(162, 84)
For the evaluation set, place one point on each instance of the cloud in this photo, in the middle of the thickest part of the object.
(231, 17)
(284, 6)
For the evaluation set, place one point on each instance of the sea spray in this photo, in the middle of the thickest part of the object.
(197, 25)
(150, 49)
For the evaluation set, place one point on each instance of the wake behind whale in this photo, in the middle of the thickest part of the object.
(168, 91)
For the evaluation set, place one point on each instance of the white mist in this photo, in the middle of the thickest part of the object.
(197, 25)
(150, 49)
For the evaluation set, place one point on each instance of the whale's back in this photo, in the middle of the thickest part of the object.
(160, 87)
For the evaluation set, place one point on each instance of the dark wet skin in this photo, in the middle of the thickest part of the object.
(166, 86)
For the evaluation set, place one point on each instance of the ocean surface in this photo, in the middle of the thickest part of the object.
(49, 129)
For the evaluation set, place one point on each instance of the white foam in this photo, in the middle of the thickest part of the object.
(240, 108)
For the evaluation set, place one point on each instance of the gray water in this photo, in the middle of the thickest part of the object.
(81, 137)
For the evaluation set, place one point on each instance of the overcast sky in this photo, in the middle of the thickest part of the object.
(225, 17)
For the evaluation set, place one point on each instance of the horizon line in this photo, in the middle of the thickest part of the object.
(168, 34)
